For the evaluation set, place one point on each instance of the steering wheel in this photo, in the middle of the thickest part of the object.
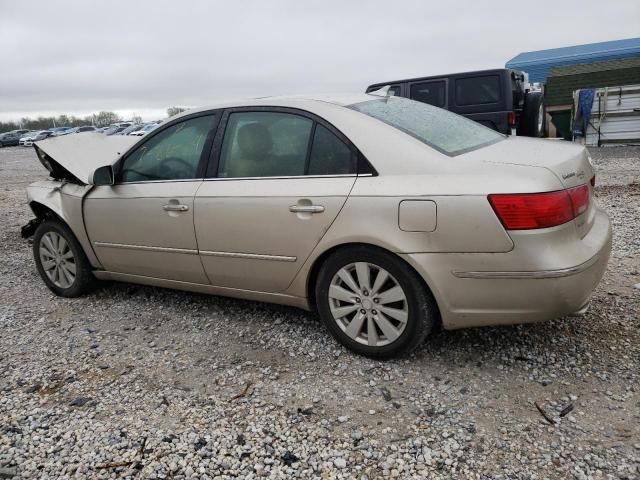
(180, 163)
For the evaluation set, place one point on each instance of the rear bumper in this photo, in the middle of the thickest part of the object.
(471, 293)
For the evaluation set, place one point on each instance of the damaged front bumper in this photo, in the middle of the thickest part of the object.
(30, 228)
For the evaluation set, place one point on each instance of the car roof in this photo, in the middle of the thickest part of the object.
(296, 101)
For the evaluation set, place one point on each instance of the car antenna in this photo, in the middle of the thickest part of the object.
(382, 92)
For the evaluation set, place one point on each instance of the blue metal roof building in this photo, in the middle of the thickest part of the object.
(538, 64)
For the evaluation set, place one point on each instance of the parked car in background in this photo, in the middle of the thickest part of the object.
(144, 130)
(387, 216)
(28, 137)
(83, 129)
(60, 131)
(28, 140)
(113, 130)
(24, 136)
(12, 138)
(501, 99)
(131, 128)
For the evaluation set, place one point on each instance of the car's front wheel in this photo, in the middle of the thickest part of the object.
(60, 260)
(373, 303)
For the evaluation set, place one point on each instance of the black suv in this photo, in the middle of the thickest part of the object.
(500, 99)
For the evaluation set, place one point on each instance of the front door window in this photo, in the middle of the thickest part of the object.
(172, 154)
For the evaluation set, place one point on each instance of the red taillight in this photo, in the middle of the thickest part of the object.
(526, 211)
(579, 199)
(511, 118)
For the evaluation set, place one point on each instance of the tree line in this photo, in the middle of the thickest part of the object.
(100, 119)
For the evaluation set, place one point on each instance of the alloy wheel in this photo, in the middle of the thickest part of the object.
(368, 304)
(57, 259)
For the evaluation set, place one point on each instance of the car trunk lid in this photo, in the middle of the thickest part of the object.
(569, 162)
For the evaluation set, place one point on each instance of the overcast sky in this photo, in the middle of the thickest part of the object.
(130, 56)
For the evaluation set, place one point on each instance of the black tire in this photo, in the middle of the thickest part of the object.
(422, 313)
(84, 279)
(532, 121)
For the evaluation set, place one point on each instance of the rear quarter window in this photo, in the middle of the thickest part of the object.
(478, 90)
(433, 93)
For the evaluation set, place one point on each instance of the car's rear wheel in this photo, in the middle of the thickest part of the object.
(60, 260)
(373, 303)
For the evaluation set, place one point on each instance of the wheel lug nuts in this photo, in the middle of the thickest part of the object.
(374, 312)
(376, 300)
(358, 300)
(366, 294)
(363, 311)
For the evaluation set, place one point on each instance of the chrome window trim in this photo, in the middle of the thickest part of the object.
(531, 275)
(346, 175)
(249, 256)
(283, 177)
(146, 248)
(160, 181)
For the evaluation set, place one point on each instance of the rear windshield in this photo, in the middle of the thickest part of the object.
(445, 131)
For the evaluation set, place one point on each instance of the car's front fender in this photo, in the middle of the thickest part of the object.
(64, 200)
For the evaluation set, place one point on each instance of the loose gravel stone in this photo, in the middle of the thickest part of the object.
(161, 372)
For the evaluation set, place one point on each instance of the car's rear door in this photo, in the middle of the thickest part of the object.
(143, 225)
(277, 180)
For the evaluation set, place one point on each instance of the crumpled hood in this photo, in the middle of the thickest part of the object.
(80, 154)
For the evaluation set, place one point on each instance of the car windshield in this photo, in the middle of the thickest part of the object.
(445, 131)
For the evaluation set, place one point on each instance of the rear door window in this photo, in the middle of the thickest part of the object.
(265, 144)
(277, 144)
(433, 93)
(478, 90)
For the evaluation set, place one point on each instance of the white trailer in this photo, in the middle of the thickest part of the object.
(615, 116)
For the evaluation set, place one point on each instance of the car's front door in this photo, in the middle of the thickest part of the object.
(278, 181)
(143, 225)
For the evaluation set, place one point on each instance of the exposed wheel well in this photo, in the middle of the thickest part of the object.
(42, 211)
(317, 264)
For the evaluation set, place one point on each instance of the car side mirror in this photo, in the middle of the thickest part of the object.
(102, 176)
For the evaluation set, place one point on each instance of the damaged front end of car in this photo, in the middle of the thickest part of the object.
(71, 162)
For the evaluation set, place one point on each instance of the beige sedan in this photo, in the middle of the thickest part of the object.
(385, 215)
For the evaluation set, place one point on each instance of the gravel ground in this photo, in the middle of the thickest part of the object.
(142, 382)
